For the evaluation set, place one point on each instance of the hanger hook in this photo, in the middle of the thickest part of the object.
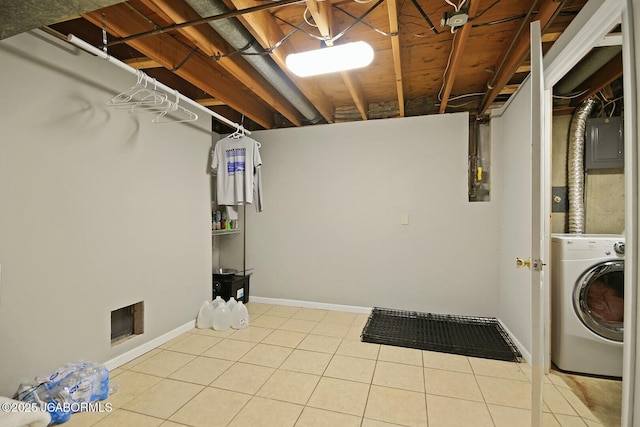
(104, 33)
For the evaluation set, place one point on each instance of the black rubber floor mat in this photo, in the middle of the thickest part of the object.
(469, 336)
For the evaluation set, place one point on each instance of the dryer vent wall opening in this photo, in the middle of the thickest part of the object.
(127, 322)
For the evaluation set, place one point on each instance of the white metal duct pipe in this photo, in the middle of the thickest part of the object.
(575, 166)
(585, 69)
(239, 38)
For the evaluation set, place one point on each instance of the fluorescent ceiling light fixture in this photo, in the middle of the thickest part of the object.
(330, 59)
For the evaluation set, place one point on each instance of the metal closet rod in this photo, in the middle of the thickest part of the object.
(94, 50)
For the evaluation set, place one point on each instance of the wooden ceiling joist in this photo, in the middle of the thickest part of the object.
(524, 68)
(550, 37)
(392, 9)
(459, 44)
(546, 12)
(142, 63)
(417, 69)
(210, 42)
(210, 102)
(267, 32)
(355, 89)
(509, 89)
(199, 71)
(323, 17)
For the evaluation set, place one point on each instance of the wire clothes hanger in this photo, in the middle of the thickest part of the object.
(240, 132)
(175, 109)
(138, 95)
(101, 54)
(141, 99)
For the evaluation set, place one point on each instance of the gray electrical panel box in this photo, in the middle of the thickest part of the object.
(604, 145)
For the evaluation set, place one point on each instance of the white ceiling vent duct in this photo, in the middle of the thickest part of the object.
(595, 60)
(237, 36)
(575, 166)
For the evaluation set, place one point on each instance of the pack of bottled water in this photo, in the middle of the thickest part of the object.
(69, 389)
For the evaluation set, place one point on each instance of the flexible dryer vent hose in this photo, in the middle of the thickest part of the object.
(575, 166)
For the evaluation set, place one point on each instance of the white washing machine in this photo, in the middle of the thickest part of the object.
(587, 300)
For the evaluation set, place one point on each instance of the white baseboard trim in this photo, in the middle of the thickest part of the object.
(148, 346)
(311, 304)
(525, 353)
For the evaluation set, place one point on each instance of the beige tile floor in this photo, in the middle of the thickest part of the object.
(306, 367)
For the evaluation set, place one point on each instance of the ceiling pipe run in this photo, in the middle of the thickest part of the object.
(230, 14)
(596, 59)
(237, 36)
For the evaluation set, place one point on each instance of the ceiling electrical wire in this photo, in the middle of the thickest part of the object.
(377, 30)
(356, 20)
(606, 102)
(266, 51)
(304, 16)
(424, 15)
(500, 21)
(404, 24)
(488, 8)
(458, 105)
(364, 15)
(453, 41)
(298, 28)
(458, 6)
(409, 103)
(457, 9)
(453, 98)
(572, 95)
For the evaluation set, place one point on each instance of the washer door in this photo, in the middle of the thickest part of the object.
(598, 299)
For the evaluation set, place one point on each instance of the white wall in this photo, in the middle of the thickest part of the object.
(331, 232)
(511, 136)
(99, 209)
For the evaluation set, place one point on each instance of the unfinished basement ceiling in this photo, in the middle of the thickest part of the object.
(19, 16)
(234, 61)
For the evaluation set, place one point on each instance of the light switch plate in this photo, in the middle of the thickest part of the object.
(404, 219)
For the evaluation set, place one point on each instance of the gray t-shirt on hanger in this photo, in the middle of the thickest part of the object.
(235, 161)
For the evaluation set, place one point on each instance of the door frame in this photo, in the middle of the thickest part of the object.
(630, 399)
(590, 26)
(540, 220)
